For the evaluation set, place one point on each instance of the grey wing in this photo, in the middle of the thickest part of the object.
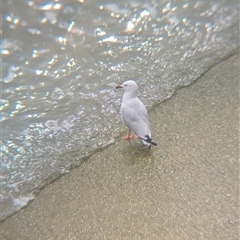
(142, 111)
(135, 118)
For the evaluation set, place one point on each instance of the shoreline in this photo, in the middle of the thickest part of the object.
(52, 178)
(186, 188)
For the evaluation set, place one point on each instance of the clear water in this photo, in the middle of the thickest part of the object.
(61, 60)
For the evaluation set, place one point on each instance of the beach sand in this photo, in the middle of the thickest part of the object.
(185, 188)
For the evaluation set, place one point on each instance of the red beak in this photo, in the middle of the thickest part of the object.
(118, 86)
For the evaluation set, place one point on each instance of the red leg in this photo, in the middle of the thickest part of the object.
(127, 137)
(135, 136)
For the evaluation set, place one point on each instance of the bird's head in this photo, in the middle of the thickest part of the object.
(129, 86)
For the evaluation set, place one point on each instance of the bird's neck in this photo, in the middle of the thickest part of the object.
(129, 95)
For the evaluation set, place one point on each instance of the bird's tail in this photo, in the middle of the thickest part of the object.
(148, 140)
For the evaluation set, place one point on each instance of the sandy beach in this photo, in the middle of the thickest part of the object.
(185, 188)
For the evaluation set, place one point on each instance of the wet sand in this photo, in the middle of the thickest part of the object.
(186, 188)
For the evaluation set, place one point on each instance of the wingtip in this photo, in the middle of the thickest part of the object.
(154, 144)
(149, 140)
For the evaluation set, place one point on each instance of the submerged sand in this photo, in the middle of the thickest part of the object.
(186, 188)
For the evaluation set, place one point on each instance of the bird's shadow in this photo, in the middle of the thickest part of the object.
(135, 152)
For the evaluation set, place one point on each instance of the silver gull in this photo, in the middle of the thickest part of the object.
(134, 114)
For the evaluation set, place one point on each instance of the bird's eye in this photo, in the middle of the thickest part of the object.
(125, 85)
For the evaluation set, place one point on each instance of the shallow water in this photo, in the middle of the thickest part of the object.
(62, 59)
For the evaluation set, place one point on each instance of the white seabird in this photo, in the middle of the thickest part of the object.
(134, 113)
